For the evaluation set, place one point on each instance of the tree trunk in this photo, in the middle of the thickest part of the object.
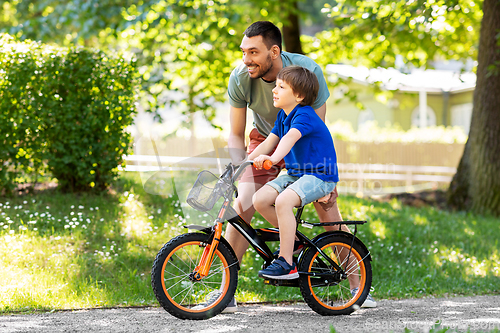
(476, 185)
(291, 30)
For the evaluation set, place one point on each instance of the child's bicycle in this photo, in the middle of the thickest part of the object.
(194, 275)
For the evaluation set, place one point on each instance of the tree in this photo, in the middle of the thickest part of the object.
(476, 185)
(374, 33)
(198, 42)
(291, 28)
(185, 49)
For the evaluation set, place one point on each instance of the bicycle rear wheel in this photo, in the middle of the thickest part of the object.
(180, 294)
(326, 294)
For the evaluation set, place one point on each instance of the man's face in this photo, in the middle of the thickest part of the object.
(256, 56)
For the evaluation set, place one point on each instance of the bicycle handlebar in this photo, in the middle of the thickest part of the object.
(267, 165)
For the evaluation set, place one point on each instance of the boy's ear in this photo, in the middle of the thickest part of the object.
(299, 99)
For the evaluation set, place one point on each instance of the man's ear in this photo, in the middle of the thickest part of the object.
(275, 52)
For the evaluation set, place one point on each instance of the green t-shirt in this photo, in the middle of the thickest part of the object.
(257, 95)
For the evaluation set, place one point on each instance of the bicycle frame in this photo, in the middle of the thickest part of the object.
(257, 237)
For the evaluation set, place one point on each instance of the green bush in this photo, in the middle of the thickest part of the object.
(63, 111)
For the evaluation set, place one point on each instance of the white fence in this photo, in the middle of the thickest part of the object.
(364, 179)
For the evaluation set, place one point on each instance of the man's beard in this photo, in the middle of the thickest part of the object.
(264, 70)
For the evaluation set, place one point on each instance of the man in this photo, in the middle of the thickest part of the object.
(250, 87)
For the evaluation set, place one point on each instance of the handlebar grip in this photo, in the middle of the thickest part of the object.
(267, 164)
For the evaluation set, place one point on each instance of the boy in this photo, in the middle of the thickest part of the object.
(307, 147)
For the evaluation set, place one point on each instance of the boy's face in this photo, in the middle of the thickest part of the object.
(284, 97)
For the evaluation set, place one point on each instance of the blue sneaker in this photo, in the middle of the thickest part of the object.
(280, 270)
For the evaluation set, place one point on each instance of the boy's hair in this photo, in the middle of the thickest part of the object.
(270, 33)
(302, 81)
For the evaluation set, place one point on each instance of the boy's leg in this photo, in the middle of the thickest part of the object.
(251, 181)
(285, 202)
(263, 202)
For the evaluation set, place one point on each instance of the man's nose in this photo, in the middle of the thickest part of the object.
(246, 59)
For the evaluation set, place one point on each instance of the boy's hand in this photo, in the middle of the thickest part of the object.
(259, 161)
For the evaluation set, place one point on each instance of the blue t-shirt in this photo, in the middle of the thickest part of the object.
(314, 153)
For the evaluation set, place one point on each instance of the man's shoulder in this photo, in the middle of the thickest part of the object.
(298, 59)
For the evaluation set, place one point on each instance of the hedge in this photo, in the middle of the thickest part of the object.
(63, 111)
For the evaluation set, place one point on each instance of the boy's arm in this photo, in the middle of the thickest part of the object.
(285, 145)
(265, 147)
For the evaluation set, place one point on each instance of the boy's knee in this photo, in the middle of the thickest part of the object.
(286, 201)
(257, 201)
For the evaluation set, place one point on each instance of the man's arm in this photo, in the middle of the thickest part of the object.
(236, 141)
(321, 112)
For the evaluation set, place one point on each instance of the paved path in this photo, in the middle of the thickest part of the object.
(480, 313)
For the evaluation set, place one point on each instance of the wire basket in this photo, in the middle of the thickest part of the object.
(205, 192)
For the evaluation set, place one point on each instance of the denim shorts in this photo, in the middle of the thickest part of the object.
(308, 187)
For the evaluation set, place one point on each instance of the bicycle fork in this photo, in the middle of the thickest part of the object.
(207, 257)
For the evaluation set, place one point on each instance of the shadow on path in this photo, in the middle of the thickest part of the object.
(481, 313)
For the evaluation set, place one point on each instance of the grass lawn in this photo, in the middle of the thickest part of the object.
(60, 251)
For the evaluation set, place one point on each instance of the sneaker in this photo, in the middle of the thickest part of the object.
(280, 270)
(212, 297)
(231, 307)
(369, 301)
(297, 248)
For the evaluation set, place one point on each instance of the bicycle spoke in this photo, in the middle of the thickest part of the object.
(187, 294)
(175, 277)
(181, 260)
(189, 287)
(222, 270)
(335, 294)
(193, 264)
(180, 281)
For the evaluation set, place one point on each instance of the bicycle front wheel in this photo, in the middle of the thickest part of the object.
(327, 294)
(178, 292)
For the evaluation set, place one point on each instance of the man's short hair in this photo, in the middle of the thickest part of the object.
(270, 33)
(302, 81)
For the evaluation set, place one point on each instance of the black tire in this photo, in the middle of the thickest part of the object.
(173, 287)
(325, 295)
